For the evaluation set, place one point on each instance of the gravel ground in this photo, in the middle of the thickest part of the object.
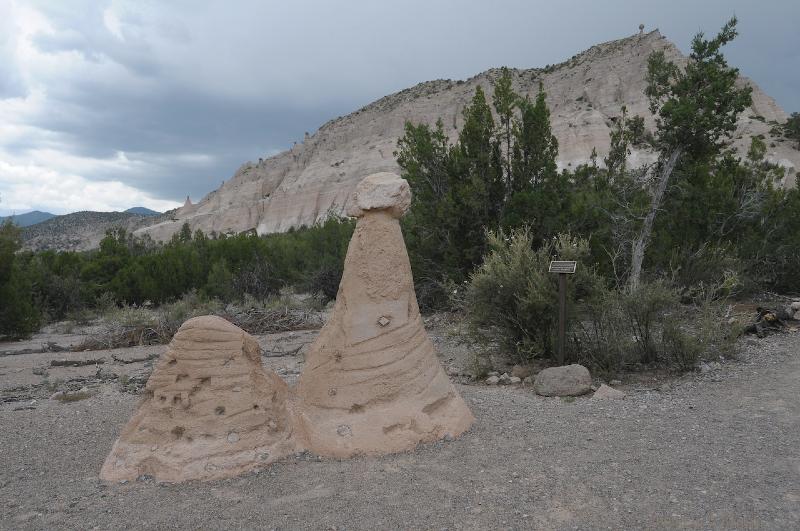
(716, 450)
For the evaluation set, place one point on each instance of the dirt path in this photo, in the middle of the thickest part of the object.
(719, 450)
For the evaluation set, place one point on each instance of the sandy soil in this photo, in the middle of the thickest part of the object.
(714, 450)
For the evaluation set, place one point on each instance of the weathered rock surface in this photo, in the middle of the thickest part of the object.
(303, 184)
(211, 410)
(372, 383)
(605, 392)
(569, 380)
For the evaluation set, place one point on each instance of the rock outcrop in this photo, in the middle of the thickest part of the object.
(585, 93)
(372, 382)
(211, 410)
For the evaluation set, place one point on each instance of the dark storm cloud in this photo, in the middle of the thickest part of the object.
(171, 123)
(190, 90)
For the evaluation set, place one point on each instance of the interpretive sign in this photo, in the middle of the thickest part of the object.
(562, 266)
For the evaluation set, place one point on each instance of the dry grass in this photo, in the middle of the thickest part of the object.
(138, 326)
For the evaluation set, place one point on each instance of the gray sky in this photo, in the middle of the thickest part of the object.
(106, 105)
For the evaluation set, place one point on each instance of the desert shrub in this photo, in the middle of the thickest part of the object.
(695, 270)
(257, 279)
(324, 282)
(600, 337)
(512, 298)
(620, 330)
(701, 331)
(643, 310)
(440, 295)
(131, 325)
(616, 329)
(192, 304)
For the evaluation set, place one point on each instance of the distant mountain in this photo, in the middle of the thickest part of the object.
(29, 218)
(79, 231)
(142, 211)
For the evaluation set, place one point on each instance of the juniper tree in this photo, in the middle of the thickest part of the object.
(505, 101)
(792, 127)
(535, 146)
(696, 109)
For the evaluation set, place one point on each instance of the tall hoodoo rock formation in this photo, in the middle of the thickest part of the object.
(372, 383)
(211, 410)
(585, 93)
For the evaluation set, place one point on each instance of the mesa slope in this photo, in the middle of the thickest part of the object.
(585, 94)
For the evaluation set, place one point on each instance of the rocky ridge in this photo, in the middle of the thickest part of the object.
(314, 178)
(81, 231)
(304, 184)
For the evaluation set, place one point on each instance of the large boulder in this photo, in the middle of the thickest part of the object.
(569, 380)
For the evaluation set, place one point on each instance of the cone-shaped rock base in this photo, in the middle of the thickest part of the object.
(211, 410)
(372, 383)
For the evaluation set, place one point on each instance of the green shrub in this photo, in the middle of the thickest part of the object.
(644, 310)
(324, 282)
(18, 314)
(600, 337)
(618, 330)
(512, 297)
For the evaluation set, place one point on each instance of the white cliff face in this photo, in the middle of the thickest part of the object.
(304, 184)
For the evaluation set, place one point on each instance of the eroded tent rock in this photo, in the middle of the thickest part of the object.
(211, 410)
(372, 382)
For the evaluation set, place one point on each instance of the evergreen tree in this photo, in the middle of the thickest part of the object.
(792, 127)
(535, 147)
(696, 110)
(18, 315)
(505, 100)
(478, 185)
(617, 159)
(537, 191)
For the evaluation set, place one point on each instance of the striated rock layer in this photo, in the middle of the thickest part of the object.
(372, 382)
(302, 185)
(211, 410)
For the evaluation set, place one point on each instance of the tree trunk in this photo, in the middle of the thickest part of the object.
(640, 243)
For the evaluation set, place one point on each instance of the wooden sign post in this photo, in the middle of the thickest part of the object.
(563, 268)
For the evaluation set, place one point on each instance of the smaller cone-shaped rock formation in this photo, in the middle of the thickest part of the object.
(211, 410)
(372, 382)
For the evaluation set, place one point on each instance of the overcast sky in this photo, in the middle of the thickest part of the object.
(105, 105)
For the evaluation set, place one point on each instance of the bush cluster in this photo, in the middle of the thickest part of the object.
(512, 298)
(127, 270)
